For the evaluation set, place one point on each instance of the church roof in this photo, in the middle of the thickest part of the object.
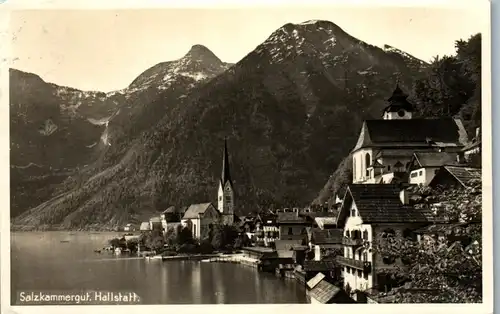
(225, 175)
(443, 132)
(398, 101)
(196, 209)
(380, 203)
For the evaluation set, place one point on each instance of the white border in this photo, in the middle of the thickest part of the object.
(486, 307)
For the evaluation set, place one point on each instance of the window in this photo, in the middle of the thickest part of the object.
(365, 234)
(360, 273)
(228, 198)
(368, 161)
(290, 231)
(353, 213)
(414, 174)
(365, 257)
(420, 173)
(401, 113)
(220, 198)
(365, 275)
(388, 167)
(354, 168)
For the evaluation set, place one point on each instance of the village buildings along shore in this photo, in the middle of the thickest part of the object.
(330, 249)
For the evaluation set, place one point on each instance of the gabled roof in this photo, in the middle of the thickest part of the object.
(328, 236)
(444, 132)
(322, 221)
(379, 203)
(463, 175)
(196, 209)
(311, 283)
(290, 218)
(170, 210)
(324, 291)
(435, 159)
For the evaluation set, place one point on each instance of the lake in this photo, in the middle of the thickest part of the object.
(40, 261)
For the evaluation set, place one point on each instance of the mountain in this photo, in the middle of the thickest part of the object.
(57, 131)
(291, 110)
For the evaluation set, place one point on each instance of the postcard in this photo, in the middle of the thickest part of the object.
(236, 156)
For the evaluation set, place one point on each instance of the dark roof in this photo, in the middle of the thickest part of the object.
(194, 210)
(290, 218)
(268, 220)
(444, 132)
(462, 174)
(380, 203)
(398, 101)
(319, 265)
(225, 175)
(435, 159)
(327, 236)
(324, 291)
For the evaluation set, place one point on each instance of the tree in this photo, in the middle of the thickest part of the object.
(184, 236)
(447, 269)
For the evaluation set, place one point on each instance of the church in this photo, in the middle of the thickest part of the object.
(199, 217)
(386, 146)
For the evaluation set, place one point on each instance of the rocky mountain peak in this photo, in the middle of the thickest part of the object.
(203, 54)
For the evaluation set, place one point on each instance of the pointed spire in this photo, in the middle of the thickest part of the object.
(226, 176)
(397, 95)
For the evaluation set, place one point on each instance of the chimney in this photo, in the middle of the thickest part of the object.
(404, 196)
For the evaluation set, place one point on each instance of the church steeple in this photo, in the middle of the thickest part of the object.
(226, 175)
(226, 192)
(399, 107)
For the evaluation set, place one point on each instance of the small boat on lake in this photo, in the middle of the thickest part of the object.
(64, 241)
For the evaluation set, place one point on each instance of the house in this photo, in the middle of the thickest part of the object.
(424, 165)
(129, 227)
(292, 226)
(455, 176)
(172, 215)
(328, 267)
(374, 212)
(325, 242)
(266, 229)
(199, 217)
(145, 226)
(386, 146)
(155, 224)
(320, 291)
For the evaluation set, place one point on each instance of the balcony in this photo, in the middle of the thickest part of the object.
(352, 242)
(362, 265)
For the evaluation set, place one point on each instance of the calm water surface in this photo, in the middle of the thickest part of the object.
(40, 261)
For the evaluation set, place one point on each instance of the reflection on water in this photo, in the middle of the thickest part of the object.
(41, 262)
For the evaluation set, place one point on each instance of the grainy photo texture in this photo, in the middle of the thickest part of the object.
(175, 156)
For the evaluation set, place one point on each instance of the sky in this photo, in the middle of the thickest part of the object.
(105, 50)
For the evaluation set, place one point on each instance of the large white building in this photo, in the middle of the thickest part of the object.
(370, 212)
(386, 146)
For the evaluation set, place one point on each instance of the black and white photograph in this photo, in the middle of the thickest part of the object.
(334, 154)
